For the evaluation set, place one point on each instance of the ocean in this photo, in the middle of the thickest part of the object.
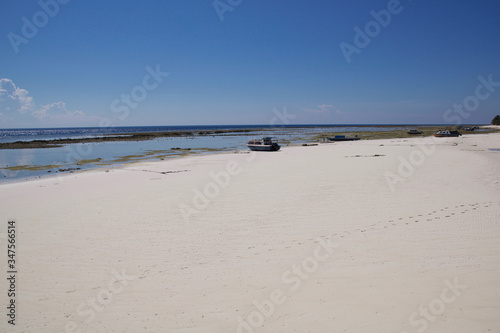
(18, 164)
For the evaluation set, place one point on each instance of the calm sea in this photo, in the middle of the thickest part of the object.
(27, 163)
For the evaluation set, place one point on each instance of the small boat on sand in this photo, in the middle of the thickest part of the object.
(447, 133)
(264, 144)
(414, 131)
(343, 138)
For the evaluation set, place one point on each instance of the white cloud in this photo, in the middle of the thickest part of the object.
(13, 98)
(56, 111)
(18, 107)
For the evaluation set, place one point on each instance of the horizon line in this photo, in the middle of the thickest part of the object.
(245, 125)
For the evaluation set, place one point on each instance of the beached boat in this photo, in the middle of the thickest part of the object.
(264, 144)
(343, 138)
(447, 133)
(414, 131)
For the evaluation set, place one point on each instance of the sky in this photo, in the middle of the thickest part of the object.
(75, 63)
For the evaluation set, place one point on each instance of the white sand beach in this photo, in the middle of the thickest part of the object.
(397, 235)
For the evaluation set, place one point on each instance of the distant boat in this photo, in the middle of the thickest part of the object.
(468, 128)
(414, 131)
(264, 144)
(447, 133)
(343, 138)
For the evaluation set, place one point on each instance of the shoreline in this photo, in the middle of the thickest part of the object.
(209, 243)
(114, 166)
(144, 136)
(174, 153)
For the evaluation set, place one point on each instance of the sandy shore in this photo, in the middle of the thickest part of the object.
(398, 235)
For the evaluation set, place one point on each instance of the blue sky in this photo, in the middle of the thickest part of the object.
(85, 57)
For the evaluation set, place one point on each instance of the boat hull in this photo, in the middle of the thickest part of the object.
(446, 135)
(343, 139)
(273, 147)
